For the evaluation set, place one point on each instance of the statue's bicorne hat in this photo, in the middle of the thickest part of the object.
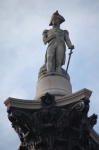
(56, 15)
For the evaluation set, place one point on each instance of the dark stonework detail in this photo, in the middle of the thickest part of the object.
(47, 100)
(54, 128)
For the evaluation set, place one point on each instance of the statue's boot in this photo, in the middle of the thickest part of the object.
(58, 69)
(49, 66)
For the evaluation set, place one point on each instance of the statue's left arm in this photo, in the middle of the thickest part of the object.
(67, 40)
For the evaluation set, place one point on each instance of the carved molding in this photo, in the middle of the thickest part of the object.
(53, 127)
(36, 104)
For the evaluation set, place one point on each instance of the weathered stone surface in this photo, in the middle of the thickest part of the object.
(53, 83)
(53, 127)
(43, 71)
(56, 39)
(36, 104)
(52, 78)
(95, 136)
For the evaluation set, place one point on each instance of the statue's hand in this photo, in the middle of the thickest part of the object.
(72, 47)
(48, 39)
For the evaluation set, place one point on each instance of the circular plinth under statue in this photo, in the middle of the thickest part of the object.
(53, 83)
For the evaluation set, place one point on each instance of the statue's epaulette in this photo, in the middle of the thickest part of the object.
(66, 32)
(45, 31)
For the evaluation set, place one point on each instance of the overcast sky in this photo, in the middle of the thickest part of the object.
(22, 51)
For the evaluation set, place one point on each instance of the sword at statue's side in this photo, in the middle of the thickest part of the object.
(69, 57)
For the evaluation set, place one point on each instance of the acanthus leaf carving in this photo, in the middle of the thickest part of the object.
(53, 127)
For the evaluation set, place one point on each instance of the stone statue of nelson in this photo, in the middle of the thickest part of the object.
(56, 39)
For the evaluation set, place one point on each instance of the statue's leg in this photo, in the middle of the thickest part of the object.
(50, 55)
(59, 58)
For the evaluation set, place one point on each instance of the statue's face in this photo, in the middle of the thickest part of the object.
(55, 21)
